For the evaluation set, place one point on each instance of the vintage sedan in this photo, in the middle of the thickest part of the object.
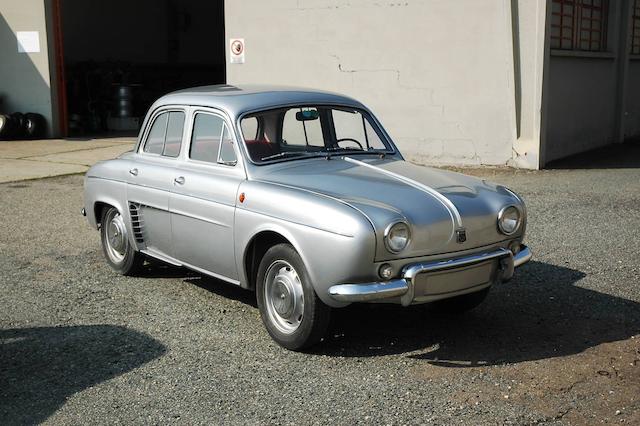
(302, 196)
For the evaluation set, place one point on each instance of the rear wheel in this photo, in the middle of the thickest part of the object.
(291, 311)
(118, 251)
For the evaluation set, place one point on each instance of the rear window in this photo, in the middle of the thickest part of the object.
(165, 135)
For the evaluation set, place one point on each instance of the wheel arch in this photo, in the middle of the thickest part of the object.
(255, 250)
(99, 204)
(98, 209)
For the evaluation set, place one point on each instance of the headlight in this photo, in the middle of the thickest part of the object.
(509, 220)
(397, 236)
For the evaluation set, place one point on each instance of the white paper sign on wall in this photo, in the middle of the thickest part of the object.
(28, 41)
(237, 48)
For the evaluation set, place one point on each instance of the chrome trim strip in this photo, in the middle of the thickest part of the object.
(160, 256)
(451, 208)
(176, 262)
(369, 291)
(404, 287)
(411, 271)
(523, 256)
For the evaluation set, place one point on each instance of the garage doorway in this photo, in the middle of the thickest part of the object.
(116, 57)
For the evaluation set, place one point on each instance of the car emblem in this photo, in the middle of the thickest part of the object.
(461, 235)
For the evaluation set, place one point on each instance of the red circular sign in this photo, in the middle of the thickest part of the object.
(237, 47)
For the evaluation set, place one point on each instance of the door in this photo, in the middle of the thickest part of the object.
(204, 196)
(151, 180)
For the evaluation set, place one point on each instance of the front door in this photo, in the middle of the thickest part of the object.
(203, 199)
(151, 180)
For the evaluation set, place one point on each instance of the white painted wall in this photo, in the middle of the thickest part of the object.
(438, 73)
(529, 53)
(24, 77)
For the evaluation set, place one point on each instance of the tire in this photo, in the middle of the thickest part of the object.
(34, 125)
(290, 309)
(116, 246)
(20, 123)
(8, 127)
(459, 304)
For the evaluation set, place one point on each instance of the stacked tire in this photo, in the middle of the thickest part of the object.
(22, 126)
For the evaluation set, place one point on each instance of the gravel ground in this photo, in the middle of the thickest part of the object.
(560, 344)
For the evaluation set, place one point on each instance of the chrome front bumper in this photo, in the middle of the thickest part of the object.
(404, 287)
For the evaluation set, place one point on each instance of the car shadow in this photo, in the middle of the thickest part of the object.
(158, 269)
(40, 368)
(224, 289)
(541, 314)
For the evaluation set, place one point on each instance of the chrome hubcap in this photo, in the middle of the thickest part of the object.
(284, 297)
(116, 233)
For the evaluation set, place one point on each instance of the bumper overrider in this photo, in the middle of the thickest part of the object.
(427, 281)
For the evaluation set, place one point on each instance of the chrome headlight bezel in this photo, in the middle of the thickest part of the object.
(501, 217)
(387, 237)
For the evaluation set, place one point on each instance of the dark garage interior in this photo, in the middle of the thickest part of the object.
(121, 55)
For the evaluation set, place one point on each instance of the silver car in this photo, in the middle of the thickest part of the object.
(302, 196)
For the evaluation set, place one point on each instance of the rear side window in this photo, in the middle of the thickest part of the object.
(165, 136)
(209, 132)
(155, 140)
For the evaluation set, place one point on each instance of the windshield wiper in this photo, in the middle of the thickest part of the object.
(287, 153)
(333, 149)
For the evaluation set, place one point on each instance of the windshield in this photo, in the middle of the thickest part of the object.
(307, 131)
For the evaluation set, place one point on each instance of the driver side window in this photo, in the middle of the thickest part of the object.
(351, 125)
(211, 140)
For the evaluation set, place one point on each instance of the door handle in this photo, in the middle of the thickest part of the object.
(179, 180)
(134, 172)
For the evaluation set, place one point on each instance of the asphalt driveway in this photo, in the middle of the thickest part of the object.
(559, 344)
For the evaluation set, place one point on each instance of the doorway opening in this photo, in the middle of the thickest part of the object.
(117, 57)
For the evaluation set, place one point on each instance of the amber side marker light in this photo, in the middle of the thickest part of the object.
(241, 197)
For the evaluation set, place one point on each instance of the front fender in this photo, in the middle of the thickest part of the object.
(332, 252)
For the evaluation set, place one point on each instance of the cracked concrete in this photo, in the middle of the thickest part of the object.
(25, 160)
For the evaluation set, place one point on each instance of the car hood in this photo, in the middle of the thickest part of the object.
(436, 203)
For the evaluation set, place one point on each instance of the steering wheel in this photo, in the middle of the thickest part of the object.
(350, 140)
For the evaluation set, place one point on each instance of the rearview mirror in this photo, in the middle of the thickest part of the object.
(307, 115)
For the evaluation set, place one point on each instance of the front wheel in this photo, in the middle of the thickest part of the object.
(118, 251)
(291, 311)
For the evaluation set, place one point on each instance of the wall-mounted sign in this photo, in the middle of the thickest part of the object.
(236, 47)
(28, 41)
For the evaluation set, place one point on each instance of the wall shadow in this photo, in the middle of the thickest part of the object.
(614, 156)
(41, 367)
(541, 314)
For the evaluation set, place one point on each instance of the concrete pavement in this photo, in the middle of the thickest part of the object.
(25, 160)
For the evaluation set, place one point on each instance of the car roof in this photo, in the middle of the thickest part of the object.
(236, 100)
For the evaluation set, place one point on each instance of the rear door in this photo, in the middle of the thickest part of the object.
(151, 180)
(203, 200)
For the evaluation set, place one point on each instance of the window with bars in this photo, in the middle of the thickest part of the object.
(580, 25)
(635, 29)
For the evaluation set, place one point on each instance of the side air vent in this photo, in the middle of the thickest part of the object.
(137, 222)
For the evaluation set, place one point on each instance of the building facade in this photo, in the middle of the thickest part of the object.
(466, 82)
